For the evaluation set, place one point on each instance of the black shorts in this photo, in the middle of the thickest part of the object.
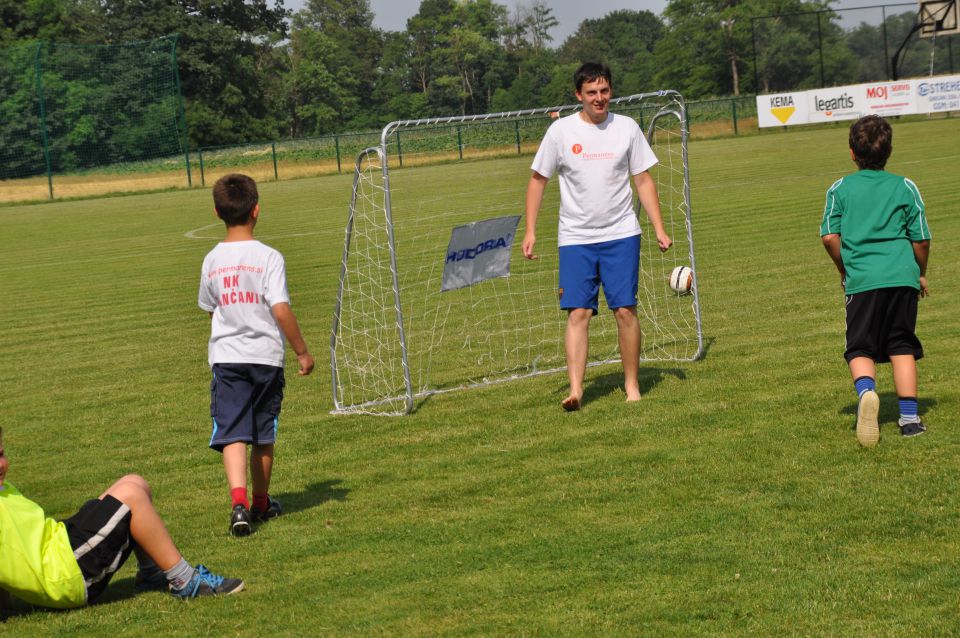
(100, 537)
(881, 323)
(245, 401)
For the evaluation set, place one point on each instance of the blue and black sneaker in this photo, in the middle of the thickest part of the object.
(240, 521)
(273, 510)
(206, 583)
(911, 427)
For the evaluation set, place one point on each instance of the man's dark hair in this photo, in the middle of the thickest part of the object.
(592, 72)
(234, 197)
(871, 140)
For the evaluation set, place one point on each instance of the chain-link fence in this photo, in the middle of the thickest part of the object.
(81, 119)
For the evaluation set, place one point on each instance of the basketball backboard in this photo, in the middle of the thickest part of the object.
(939, 17)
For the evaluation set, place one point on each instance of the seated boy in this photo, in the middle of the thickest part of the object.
(68, 564)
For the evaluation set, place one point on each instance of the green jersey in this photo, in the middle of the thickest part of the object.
(36, 559)
(877, 215)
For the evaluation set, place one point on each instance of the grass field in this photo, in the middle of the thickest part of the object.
(732, 500)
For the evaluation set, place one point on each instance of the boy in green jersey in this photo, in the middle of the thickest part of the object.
(68, 564)
(875, 229)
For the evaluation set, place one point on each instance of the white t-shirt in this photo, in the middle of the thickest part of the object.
(239, 282)
(594, 163)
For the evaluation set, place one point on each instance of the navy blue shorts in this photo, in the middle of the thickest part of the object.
(615, 264)
(99, 534)
(881, 323)
(245, 403)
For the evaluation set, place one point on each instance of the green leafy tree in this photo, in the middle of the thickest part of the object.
(350, 52)
(51, 20)
(224, 48)
(456, 55)
(318, 91)
(625, 41)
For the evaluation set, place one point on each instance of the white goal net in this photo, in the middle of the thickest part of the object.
(397, 337)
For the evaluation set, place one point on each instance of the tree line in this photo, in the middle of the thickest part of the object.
(251, 70)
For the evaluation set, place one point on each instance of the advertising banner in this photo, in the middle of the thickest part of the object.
(889, 98)
(479, 251)
(938, 94)
(839, 103)
(782, 109)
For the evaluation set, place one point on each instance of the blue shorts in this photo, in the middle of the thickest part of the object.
(245, 403)
(615, 264)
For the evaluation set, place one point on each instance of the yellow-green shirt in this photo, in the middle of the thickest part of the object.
(36, 560)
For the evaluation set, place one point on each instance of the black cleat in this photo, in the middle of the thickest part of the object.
(240, 521)
(273, 510)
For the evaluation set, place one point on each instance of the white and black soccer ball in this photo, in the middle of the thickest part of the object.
(681, 280)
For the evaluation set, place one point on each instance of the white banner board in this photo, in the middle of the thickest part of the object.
(890, 98)
(939, 94)
(838, 103)
(904, 97)
(782, 109)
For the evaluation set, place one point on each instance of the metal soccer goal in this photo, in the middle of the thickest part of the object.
(397, 337)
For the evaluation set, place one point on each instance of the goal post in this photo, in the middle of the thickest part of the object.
(401, 332)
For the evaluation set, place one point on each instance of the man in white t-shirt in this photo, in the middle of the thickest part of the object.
(243, 285)
(595, 153)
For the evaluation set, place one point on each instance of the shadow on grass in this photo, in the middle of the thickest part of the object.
(313, 495)
(889, 408)
(607, 384)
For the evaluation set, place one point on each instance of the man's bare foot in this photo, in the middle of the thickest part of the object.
(571, 403)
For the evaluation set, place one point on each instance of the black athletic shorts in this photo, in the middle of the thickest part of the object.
(245, 400)
(881, 323)
(100, 537)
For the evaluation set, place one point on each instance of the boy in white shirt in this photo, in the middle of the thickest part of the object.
(595, 154)
(244, 288)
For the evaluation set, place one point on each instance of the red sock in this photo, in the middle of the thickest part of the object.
(261, 502)
(239, 497)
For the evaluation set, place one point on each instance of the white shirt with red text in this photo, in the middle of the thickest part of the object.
(594, 164)
(239, 283)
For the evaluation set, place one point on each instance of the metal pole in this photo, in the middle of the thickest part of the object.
(460, 143)
(43, 118)
(183, 113)
(336, 144)
(516, 128)
(886, 51)
(733, 103)
(200, 153)
(823, 82)
(273, 147)
(756, 73)
(399, 150)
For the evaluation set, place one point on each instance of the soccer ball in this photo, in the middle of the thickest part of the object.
(681, 280)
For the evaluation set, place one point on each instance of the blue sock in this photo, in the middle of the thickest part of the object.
(908, 408)
(862, 384)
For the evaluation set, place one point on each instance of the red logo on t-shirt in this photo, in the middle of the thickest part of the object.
(577, 149)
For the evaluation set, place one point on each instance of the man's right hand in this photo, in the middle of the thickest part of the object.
(528, 242)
